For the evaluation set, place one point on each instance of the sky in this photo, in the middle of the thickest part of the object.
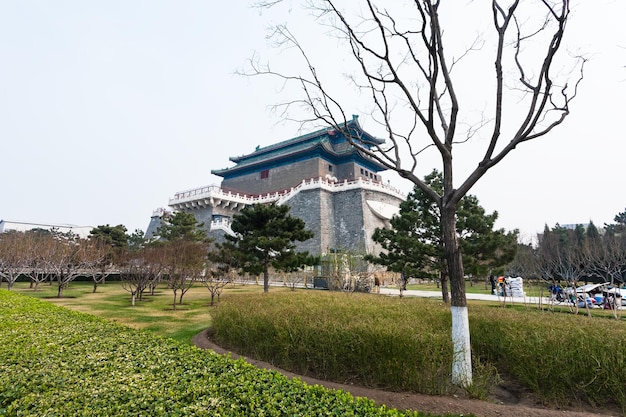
(108, 108)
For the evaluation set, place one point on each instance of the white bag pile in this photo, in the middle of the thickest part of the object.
(515, 287)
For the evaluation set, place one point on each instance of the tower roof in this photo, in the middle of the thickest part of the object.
(329, 143)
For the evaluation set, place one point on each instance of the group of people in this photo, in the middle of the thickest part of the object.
(499, 286)
(607, 299)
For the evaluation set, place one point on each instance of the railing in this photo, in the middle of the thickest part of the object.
(160, 212)
(221, 222)
(215, 192)
(336, 186)
(196, 192)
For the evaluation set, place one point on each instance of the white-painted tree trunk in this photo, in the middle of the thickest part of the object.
(462, 352)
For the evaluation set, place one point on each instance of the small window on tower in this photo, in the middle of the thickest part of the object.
(330, 168)
(265, 173)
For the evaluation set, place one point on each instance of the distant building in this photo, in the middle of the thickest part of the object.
(573, 226)
(335, 188)
(81, 231)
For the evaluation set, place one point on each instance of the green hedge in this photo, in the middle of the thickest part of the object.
(404, 344)
(369, 340)
(562, 358)
(56, 362)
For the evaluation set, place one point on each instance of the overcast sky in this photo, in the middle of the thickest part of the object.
(108, 108)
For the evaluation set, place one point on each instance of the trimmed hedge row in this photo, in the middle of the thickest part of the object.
(369, 340)
(404, 344)
(56, 362)
(561, 358)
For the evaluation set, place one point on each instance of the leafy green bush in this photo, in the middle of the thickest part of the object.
(57, 362)
(404, 344)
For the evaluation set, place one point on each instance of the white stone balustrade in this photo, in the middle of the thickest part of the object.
(213, 195)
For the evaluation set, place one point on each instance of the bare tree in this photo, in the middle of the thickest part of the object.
(98, 260)
(292, 279)
(14, 252)
(66, 260)
(154, 258)
(41, 246)
(299, 278)
(416, 96)
(347, 271)
(134, 277)
(548, 256)
(216, 279)
(142, 269)
(568, 264)
(186, 263)
(605, 258)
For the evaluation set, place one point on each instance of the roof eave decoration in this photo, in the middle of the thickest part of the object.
(372, 161)
(352, 126)
(357, 132)
(261, 162)
(321, 136)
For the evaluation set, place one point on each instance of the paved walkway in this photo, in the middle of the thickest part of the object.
(469, 296)
(393, 291)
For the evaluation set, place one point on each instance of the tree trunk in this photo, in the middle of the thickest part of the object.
(443, 278)
(462, 354)
(266, 280)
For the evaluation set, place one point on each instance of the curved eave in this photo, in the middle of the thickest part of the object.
(352, 126)
(371, 161)
(365, 159)
(356, 132)
(263, 162)
(282, 145)
(318, 149)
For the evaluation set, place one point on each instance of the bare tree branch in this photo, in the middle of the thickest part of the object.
(405, 71)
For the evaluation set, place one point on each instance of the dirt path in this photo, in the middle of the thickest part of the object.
(502, 404)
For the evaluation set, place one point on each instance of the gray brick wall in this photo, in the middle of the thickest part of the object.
(285, 177)
(348, 221)
(307, 206)
(279, 178)
(340, 221)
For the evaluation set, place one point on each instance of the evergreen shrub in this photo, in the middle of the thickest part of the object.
(57, 362)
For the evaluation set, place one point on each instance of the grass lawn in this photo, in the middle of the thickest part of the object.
(58, 362)
(548, 343)
(154, 313)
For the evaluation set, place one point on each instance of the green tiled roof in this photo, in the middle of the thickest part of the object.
(322, 138)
